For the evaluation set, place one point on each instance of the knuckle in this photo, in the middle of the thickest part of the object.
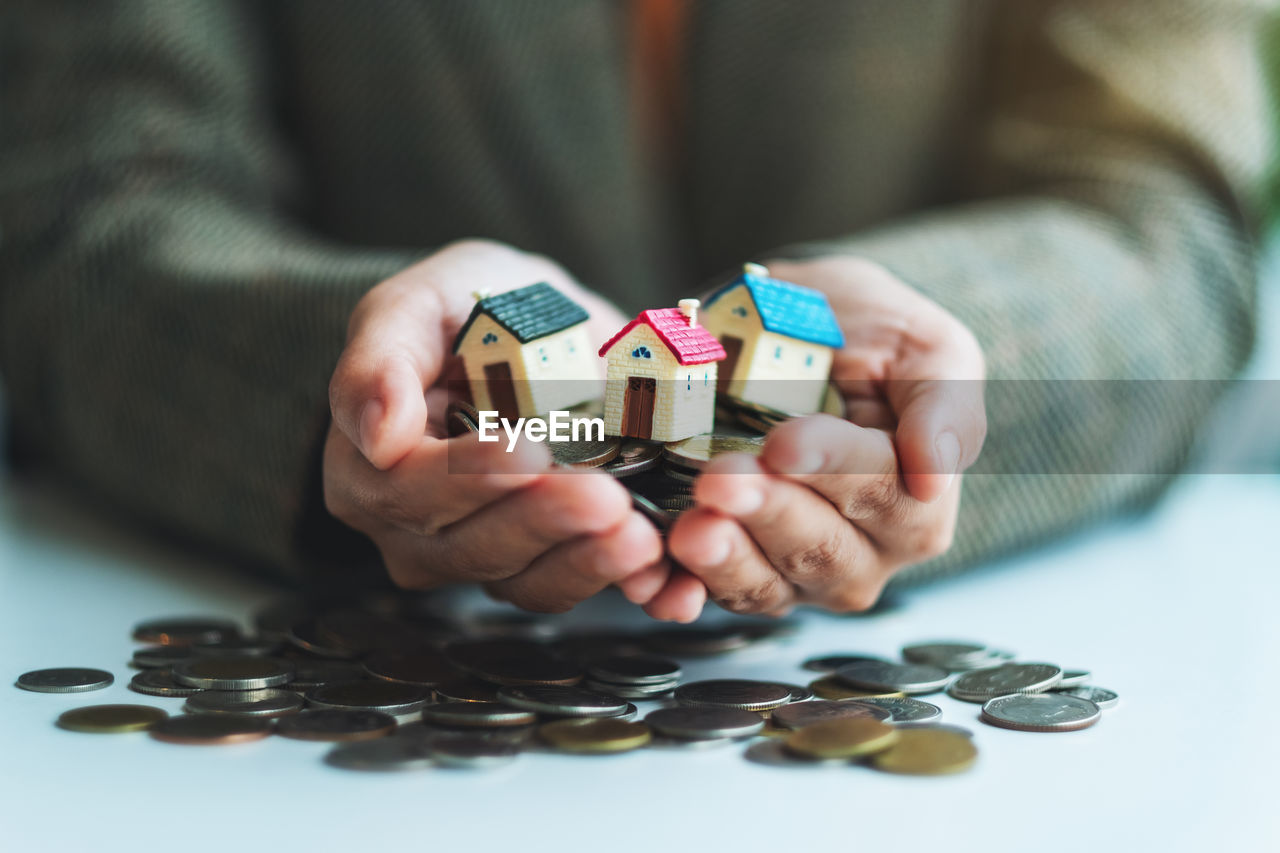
(760, 598)
(821, 561)
(874, 495)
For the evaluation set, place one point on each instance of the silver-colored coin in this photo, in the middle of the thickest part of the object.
(631, 691)
(1073, 678)
(1099, 696)
(704, 722)
(562, 701)
(634, 669)
(268, 702)
(904, 709)
(902, 677)
(233, 673)
(948, 654)
(679, 475)
(65, 680)
(983, 684)
(772, 753)
(465, 750)
(159, 682)
(635, 457)
(315, 673)
(993, 657)
(153, 657)
(389, 697)
(937, 727)
(236, 647)
(477, 714)
(388, 753)
(332, 725)
(734, 693)
(801, 714)
(660, 518)
(183, 631)
(830, 663)
(585, 454)
(799, 693)
(1040, 712)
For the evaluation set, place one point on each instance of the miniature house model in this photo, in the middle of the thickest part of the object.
(779, 339)
(661, 376)
(526, 352)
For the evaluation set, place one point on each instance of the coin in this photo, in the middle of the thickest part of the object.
(803, 714)
(1099, 696)
(266, 702)
(65, 680)
(774, 753)
(466, 689)
(660, 518)
(940, 727)
(907, 678)
(983, 684)
(562, 701)
(461, 418)
(630, 691)
(111, 719)
(236, 647)
(313, 673)
(359, 632)
(305, 634)
(1073, 678)
(734, 693)
(634, 457)
(634, 669)
(704, 721)
(699, 450)
(830, 688)
(585, 454)
(681, 478)
(798, 693)
(335, 725)
(904, 709)
(513, 662)
(948, 654)
(425, 667)
(477, 714)
(1040, 712)
(387, 753)
(389, 697)
(830, 663)
(151, 657)
(696, 642)
(185, 631)
(233, 673)
(927, 752)
(844, 738)
(159, 682)
(211, 729)
(595, 735)
(471, 751)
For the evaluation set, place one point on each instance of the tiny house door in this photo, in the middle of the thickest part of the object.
(637, 406)
(732, 349)
(502, 390)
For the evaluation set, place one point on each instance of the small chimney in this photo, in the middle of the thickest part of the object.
(482, 294)
(689, 308)
(759, 270)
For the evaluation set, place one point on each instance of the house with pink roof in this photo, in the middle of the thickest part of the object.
(661, 375)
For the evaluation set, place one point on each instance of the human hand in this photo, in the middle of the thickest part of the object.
(458, 510)
(832, 508)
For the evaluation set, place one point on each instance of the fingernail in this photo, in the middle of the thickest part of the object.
(809, 462)
(947, 449)
(719, 552)
(370, 420)
(745, 501)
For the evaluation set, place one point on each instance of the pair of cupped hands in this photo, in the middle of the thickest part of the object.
(825, 515)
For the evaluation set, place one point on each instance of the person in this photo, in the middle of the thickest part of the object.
(207, 204)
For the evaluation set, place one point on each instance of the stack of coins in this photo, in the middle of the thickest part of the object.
(394, 685)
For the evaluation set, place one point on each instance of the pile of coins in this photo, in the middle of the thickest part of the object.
(402, 687)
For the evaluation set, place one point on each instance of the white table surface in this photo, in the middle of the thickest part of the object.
(1175, 610)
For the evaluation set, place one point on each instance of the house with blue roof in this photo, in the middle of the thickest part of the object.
(526, 352)
(779, 340)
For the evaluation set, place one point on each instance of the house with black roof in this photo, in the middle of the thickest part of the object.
(526, 352)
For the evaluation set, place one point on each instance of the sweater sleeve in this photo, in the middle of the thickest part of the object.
(1101, 253)
(167, 325)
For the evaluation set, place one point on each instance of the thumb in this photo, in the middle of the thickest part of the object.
(941, 427)
(395, 350)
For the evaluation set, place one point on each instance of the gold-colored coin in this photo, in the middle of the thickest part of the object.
(599, 735)
(772, 729)
(697, 451)
(830, 688)
(845, 738)
(111, 719)
(927, 752)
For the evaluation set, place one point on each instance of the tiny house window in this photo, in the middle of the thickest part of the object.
(705, 381)
(688, 382)
(573, 348)
(542, 353)
(777, 353)
(808, 360)
(489, 338)
(739, 311)
(641, 352)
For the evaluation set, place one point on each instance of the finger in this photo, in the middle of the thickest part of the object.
(506, 536)
(942, 424)
(437, 484)
(716, 550)
(576, 570)
(641, 587)
(681, 600)
(799, 532)
(872, 414)
(394, 351)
